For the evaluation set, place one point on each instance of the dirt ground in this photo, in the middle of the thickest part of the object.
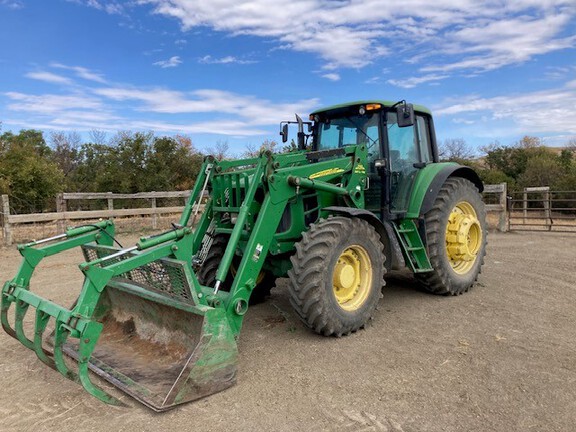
(499, 358)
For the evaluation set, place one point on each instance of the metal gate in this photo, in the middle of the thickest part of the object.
(539, 208)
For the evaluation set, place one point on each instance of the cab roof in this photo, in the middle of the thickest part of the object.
(385, 103)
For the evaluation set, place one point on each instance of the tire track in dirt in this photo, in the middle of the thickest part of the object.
(360, 421)
(40, 406)
(79, 414)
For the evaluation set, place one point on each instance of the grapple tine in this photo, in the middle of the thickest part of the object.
(88, 341)
(60, 335)
(21, 309)
(6, 303)
(42, 319)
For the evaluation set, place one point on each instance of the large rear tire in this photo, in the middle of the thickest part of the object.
(456, 238)
(337, 275)
(207, 273)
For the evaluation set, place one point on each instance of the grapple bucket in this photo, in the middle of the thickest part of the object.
(140, 327)
(161, 355)
(155, 344)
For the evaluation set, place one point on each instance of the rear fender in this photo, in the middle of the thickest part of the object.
(429, 181)
(392, 250)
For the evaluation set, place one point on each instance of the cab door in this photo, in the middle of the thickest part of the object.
(408, 151)
(374, 195)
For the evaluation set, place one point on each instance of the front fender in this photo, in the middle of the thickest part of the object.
(392, 250)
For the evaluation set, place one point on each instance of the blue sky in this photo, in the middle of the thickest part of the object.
(231, 70)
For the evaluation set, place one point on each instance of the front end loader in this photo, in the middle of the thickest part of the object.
(160, 320)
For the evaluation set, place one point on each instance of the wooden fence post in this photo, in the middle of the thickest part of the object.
(547, 213)
(503, 219)
(110, 202)
(501, 208)
(61, 208)
(6, 228)
(154, 215)
(525, 206)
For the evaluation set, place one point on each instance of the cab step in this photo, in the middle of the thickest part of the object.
(412, 246)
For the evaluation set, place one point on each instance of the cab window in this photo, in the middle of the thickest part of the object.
(350, 130)
(424, 138)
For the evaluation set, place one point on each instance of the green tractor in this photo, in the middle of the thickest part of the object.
(363, 193)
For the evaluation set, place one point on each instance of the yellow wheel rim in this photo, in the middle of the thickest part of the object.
(463, 237)
(352, 278)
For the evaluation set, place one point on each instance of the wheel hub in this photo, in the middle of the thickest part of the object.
(352, 278)
(345, 276)
(463, 237)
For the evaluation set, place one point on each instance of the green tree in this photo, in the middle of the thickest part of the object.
(529, 163)
(173, 163)
(494, 176)
(541, 170)
(27, 173)
(133, 152)
(66, 154)
(509, 160)
(97, 170)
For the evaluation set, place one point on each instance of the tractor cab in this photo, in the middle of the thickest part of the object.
(399, 139)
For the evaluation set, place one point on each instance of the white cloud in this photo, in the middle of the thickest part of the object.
(332, 76)
(220, 127)
(254, 110)
(152, 51)
(49, 77)
(171, 62)
(50, 103)
(545, 111)
(110, 7)
(12, 4)
(208, 59)
(450, 36)
(507, 41)
(414, 81)
(115, 107)
(462, 121)
(81, 72)
(554, 73)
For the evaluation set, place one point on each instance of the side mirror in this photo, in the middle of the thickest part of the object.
(405, 113)
(284, 132)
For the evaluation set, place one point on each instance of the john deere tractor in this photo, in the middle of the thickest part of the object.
(363, 193)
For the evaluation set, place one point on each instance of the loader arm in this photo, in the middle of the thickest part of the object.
(281, 178)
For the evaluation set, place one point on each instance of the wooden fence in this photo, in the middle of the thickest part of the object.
(61, 216)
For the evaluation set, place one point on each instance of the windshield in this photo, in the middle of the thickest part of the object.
(349, 130)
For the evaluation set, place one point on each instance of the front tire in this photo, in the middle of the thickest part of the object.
(456, 238)
(337, 275)
(207, 272)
